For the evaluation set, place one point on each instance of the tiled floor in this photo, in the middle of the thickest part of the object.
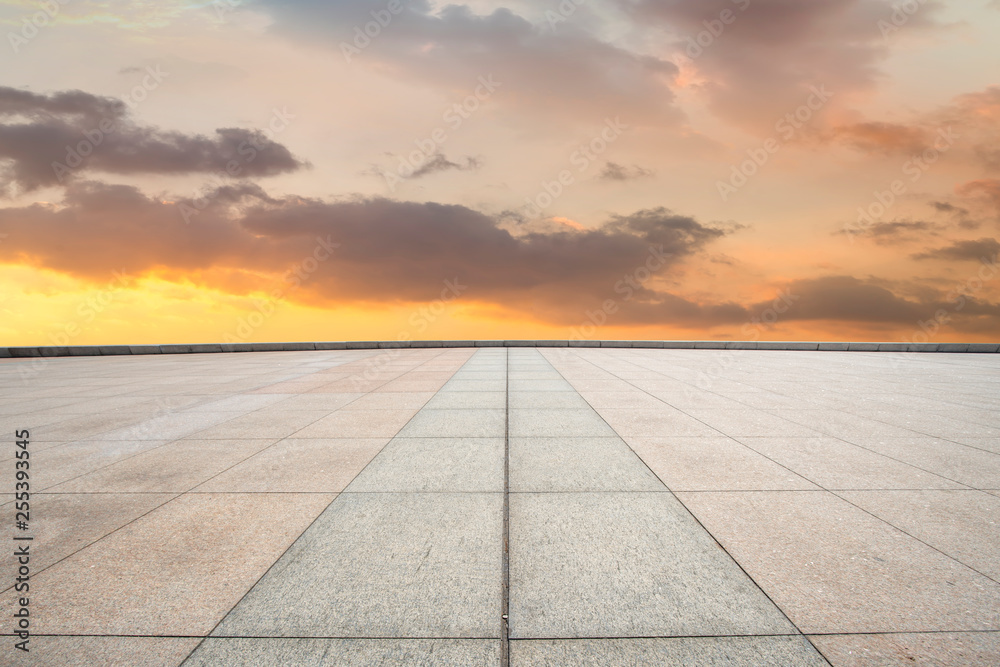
(531, 506)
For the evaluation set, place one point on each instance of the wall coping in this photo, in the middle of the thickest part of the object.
(109, 350)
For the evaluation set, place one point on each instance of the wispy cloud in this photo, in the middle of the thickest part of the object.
(613, 171)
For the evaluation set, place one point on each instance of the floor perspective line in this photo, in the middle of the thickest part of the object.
(505, 574)
(515, 506)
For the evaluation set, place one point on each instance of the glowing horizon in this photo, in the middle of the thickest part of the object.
(607, 169)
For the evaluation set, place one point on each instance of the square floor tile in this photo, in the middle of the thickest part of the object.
(434, 465)
(166, 566)
(713, 464)
(173, 468)
(963, 524)
(358, 424)
(624, 565)
(385, 565)
(944, 649)
(834, 568)
(835, 464)
(351, 652)
(299, 464)
(577, 464)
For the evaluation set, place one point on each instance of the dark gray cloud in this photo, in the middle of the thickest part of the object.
(74, 103)
(616, 172)
(568, 71)
(898, 231)
(971, 250)
(390, 251)
(988, 188)
(762, 64)
(851, 300)
(438, 162)
(51, 139)
(946, 207)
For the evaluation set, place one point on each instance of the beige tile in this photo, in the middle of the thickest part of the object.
(69, 428)
(350, 385)
(110, 651)
(713, 464)
(358, 424)
(970, 649)
(176, 571)
(294, 386)
(986, 444)
(975, 467)
(402, 385)
(433, 376)
(176, 467)
(300, 464)
(835, 464)
(391, 401)
(963, 524)
(662, 423)
(750, 422)
(65, 523)
(833, 568)
(622, 399)
(59, 464)
(271, 423)
(325, 401)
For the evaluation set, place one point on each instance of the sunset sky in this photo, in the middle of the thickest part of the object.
(298, 170)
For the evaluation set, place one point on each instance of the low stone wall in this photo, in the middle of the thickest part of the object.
(91, 351)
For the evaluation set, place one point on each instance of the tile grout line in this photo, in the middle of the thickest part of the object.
(190, 437)
(822, 406)
(987, 631)
(99, 435)
(175, 494)
(823, 488)
(304, 531)
(505, 563)
(693, 516)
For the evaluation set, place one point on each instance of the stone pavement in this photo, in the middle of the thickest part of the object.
(508, 505)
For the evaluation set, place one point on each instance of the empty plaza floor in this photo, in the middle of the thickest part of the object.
(491, 506)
